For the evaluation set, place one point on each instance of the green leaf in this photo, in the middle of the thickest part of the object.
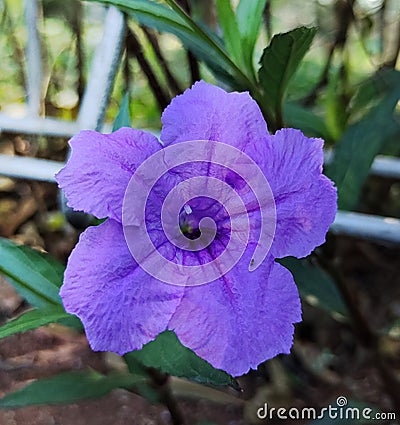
(372, 90)
(123, 118)
(34, 319)
(36, 276)
(361, 142)
(170, 356)
(249, 16)
(279, 62)
(68, 388)
(316, 287)
(311, 124)
(230, 29)
(154, 15)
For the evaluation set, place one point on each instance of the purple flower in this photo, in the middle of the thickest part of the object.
(242, 317)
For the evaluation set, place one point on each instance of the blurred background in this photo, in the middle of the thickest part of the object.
(348, 71)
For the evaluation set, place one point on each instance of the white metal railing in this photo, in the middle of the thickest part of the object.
(33, 56)
(36, 125)
(365, 226)
(375, 228)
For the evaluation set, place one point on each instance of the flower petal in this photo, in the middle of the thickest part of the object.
(100, 167)
(240, 320)
(206, 112)
(305, 199)
(121, 306)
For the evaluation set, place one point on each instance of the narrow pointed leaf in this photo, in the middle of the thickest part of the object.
(123, 118)
(34, 319)
(280, 61)
(230, 29)
(68, 388)
(36, 276)
(249, 16)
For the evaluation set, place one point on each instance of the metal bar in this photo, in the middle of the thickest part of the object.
(365, 226)
(29, 168)
(383, 166)
(386, 166)
(102, 72)
(52, 127)
(33, 58)
(45, 126)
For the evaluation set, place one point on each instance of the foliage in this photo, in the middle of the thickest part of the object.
(69, 387)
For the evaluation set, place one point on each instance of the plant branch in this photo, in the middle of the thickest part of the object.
(344, 16)
(172, 81)
(267, 19)
(134, 48)
(382, 25)
(76, 26)
(360, 325)
(126, 73)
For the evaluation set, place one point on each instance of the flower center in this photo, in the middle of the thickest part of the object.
(189, 223)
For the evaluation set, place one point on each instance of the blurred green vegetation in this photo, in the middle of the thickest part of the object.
(351, 44)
